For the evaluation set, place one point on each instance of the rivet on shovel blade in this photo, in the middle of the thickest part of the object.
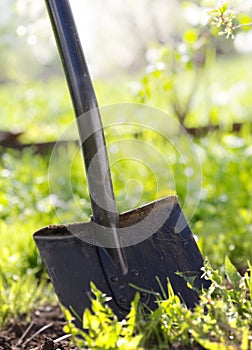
(134, 273)
(122, 300)
(114, 279)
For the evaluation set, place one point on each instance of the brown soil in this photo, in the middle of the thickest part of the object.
(44, 331)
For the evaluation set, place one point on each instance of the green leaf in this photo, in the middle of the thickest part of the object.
(244, 19)
(245, 339)
(249, 279)
(132, 344)
(191, 36)
(224, 7)
(232, 274)
(211, 345)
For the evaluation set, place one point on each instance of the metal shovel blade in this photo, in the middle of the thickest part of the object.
(72, 263)
(142, 248)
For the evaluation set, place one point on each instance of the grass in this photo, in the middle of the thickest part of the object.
(42, 110)
(221, 320)
(222, 96)
(22, 187)
(221, 220)
(226, 198)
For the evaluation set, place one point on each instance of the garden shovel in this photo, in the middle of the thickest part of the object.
(140, 249)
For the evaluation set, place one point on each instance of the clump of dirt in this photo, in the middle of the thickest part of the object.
(44, 331)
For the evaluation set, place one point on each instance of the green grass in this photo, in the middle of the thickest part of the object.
(224, 212)
(221, 320)
(219, 93)
(23, 186)
(43, 109)
(221, 221)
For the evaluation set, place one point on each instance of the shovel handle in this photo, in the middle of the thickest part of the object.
(88, 121)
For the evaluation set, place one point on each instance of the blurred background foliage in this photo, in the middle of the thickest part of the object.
(117, 36)
(164, 54)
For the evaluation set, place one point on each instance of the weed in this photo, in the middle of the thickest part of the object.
(221, 320)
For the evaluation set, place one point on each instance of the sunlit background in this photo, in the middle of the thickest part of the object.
(116, 35)
(166, 59)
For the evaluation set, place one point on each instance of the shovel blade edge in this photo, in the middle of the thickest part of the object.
(72, 263)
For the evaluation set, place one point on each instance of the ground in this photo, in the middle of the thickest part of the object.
(43, 331)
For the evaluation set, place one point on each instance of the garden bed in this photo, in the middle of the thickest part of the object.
(43, 330)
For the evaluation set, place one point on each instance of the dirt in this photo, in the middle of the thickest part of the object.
(43, 331)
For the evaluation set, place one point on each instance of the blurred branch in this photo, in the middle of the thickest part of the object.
(239, 26)
(226, 20)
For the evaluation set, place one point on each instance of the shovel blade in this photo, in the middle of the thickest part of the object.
(157, 243)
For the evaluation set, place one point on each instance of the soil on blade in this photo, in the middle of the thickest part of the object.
(44, 331)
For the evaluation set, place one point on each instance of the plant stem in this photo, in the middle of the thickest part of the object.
(238, 26)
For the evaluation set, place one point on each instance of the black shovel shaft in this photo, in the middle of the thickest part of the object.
(84, 100)
(88, 121)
